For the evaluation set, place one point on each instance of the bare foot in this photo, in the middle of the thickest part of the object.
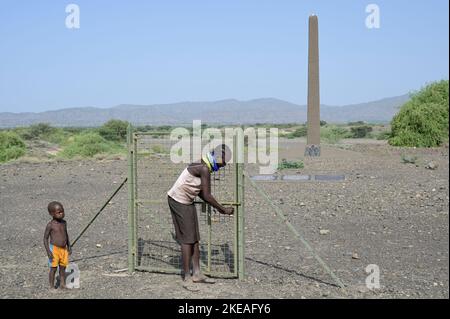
(202, 279)
(188, 284)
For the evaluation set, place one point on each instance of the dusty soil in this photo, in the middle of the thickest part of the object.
(387, 213)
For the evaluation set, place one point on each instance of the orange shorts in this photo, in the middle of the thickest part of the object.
(60, 256)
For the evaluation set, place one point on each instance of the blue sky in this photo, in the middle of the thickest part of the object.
(146, 52)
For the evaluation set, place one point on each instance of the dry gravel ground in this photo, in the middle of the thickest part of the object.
(386, 213)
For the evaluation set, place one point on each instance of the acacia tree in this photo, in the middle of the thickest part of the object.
(114, 130)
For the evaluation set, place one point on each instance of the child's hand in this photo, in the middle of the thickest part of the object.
(50, 256)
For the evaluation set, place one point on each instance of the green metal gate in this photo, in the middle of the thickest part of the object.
(152, 244)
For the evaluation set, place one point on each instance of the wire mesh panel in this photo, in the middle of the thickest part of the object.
(153, 246)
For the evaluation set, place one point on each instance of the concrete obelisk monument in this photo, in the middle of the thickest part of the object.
(313, 137)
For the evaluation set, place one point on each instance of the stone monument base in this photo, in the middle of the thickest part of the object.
(312, 150)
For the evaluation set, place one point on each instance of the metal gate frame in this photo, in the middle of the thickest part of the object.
(239, 213)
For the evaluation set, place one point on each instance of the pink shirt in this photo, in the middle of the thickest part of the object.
(186, 188)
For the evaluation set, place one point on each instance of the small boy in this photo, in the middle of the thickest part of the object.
(59, 249)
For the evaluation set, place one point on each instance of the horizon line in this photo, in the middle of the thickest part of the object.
(200, 101)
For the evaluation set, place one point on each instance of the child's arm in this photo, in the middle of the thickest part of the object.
(46, 237)
(68, 242)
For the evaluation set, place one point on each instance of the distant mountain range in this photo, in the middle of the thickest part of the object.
(266, 110)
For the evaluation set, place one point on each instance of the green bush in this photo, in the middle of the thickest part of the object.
(114, 130)
(164, 128)
(40, 129)
(423, 121)
(358, 123)
(88, 145)
(21, 131)
(145, 128)
(385, 135)
(285, 164)
(57, 136)
(33, 132)
(360, 131)
(333, 135)
(43, 131)
(279, 126)
(74, 130)
(11, 146)
(300, 132)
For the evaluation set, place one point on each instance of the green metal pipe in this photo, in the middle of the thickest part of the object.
(209, 238)
(216, 274)
(152, 133)
(241, 223)
(135, 197)
(239, 193)
(236, 221)
(131, 248)
(157, 201)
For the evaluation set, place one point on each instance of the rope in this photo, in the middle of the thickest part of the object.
(295, 232)
(98, 213)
